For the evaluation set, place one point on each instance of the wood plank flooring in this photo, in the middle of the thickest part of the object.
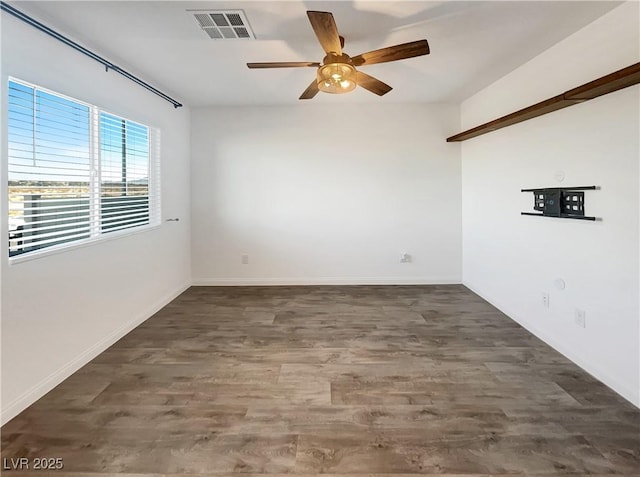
(376, 380)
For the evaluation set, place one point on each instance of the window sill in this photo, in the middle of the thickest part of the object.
(27, 257)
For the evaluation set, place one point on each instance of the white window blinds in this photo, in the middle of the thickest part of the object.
(124, 173)
(75, 173)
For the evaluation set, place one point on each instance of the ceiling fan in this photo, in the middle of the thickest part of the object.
(337, 73)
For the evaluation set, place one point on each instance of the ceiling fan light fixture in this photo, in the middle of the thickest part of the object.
(337, 78)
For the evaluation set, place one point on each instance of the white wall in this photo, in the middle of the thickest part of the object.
(511, 259)
(321, 194)
(61, 310)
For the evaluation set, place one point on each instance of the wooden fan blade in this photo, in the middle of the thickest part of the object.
(392, 53)
(283, 64)
(311, 91)
(326, 30)
(372, 84)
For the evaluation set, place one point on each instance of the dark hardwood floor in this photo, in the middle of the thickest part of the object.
(398, 380)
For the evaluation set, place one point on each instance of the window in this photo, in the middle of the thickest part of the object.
(76, 173)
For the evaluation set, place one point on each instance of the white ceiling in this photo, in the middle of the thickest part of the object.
(473, 43)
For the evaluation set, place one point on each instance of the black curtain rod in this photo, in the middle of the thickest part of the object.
(107, 64)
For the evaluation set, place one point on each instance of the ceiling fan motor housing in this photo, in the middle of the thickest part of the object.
(337, 74)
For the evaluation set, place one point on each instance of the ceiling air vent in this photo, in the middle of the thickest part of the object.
(224, 24)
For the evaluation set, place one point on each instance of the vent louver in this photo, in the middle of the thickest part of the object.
(224, 25)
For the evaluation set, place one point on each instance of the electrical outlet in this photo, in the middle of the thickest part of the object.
(245, 259)
(580, 318)
(545, 300)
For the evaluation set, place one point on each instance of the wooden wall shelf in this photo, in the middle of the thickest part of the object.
(607, 84)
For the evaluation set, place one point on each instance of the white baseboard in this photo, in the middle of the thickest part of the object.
(327, 281)
(601, 375)
(23, 401)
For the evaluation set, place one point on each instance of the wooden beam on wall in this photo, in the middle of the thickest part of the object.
(620, 79)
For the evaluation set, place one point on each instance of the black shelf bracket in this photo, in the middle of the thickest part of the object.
(559, 202)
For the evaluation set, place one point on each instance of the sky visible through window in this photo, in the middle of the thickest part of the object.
(49, 140)
(118, 135)
(49, 137)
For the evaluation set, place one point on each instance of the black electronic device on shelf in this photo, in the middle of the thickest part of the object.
(561, 202)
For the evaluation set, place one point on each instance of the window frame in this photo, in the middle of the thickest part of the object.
(97, 235)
